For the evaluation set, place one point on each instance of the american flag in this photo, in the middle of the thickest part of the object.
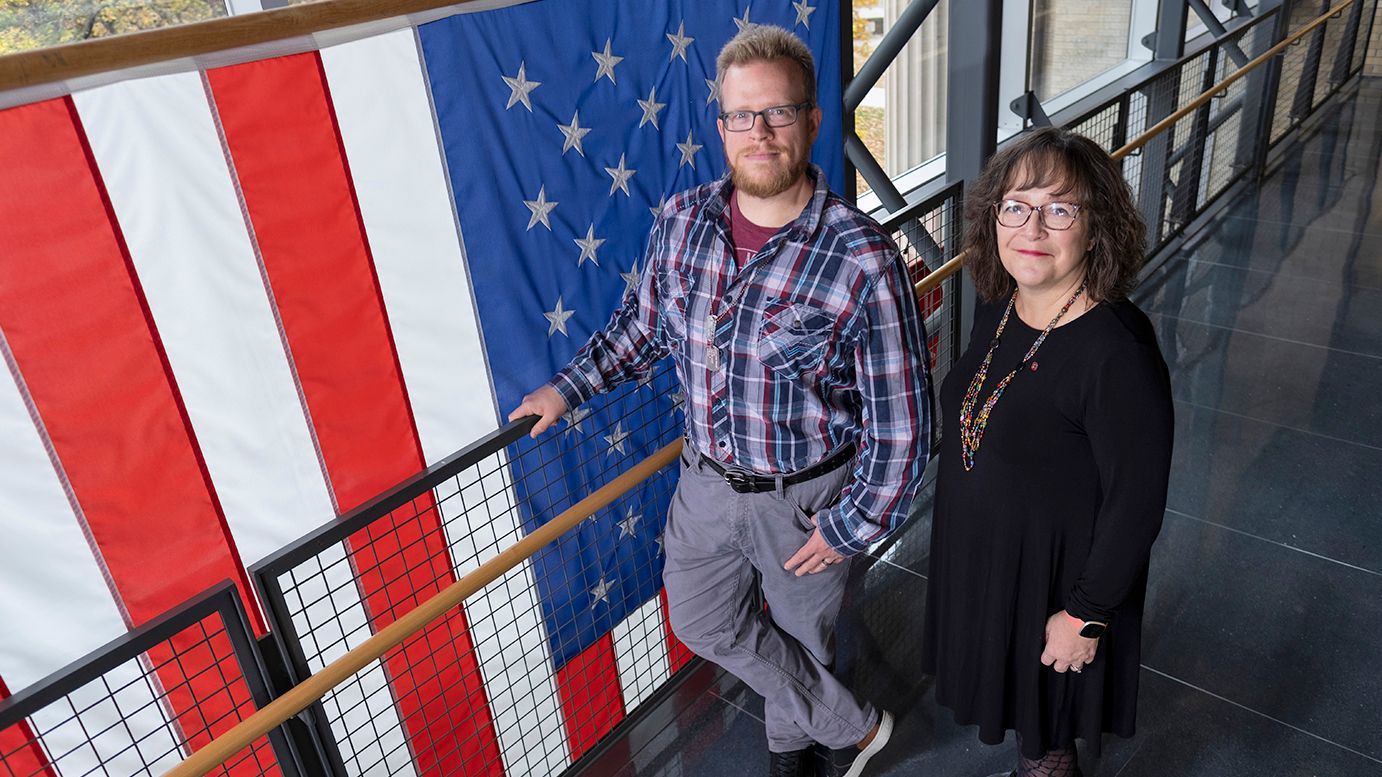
(238, 302)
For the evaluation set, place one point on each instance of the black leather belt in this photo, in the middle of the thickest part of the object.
(745, 482)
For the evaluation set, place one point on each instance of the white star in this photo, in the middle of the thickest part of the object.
(657, 209)
(589, 244)
(616, 438)
(679, 42)
(607, 62)
(557, 319)
(629, 526)
(520, 86)
(804, 12)
(678, 398)
(744, 22)
(645, 378)
(630, 278)
(600, 593)
(688, 151)
(650, 108)
(621, 176)
(714, 96)
(659, 544)
(576, 416)
(572, 134)
(540, 208)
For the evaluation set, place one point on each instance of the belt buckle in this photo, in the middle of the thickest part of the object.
(739, 481)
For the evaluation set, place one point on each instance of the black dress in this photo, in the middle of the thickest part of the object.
(1059, 512)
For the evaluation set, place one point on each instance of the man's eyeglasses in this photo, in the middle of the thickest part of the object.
(1058, 216)
(776, 116)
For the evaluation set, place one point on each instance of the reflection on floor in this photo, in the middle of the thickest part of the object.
(1264, 632)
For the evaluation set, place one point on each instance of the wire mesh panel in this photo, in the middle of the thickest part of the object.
(1332, 35)
(1105, 126)
(1226, 142)
(929, 234)
(142, 703)
(530, 672)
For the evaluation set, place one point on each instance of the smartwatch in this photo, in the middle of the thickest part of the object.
(1092, 629)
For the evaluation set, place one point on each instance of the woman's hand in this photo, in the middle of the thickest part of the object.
(1065, 648)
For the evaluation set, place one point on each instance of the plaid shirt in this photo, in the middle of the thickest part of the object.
(819, 343)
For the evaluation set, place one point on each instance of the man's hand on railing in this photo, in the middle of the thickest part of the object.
(545, 403)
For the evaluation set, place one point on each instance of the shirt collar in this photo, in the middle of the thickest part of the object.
(805, 223)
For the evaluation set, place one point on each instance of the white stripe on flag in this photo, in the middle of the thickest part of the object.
(163, 163)
(640, 652)
(57, 608)
(386, 122)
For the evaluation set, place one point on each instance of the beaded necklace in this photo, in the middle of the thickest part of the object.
(972, 429)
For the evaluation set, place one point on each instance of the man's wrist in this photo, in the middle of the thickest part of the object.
(569, 383)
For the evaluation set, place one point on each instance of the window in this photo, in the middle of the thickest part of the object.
(1223, 10)
(34, 24)
(902, 119)
(1075, 40)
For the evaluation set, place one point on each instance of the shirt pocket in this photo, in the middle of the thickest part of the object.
(674, 289)
(794, 337)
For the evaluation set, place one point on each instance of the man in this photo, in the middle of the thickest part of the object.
(798, 342)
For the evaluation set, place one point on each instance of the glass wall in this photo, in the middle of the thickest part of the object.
(902, 119)
(33, 24)
(1073, 41)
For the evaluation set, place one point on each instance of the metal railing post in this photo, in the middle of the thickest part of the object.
(1169, 39)
(1186, 197)
(847, 127)
(1304, 98)
(1259, 113)
(1343, 58)
(971, 120)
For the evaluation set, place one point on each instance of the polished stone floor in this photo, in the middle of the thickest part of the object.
(1263, 653)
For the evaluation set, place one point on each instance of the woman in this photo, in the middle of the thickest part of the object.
(1054, 463)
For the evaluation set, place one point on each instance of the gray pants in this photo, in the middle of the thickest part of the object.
(725, 553)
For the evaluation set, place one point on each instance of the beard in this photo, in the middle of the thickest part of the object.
(768, 183)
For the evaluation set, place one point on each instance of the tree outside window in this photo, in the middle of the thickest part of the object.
(34, 24)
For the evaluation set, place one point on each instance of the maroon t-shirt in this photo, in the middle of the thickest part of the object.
(748, 237)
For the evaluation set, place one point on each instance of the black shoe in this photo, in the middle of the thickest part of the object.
(850, 761)
(797, 763)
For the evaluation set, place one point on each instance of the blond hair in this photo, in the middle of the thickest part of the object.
(767, 43)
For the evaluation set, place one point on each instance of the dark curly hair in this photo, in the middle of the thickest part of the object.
(1051, 156)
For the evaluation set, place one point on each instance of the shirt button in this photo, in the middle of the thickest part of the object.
(722, 444)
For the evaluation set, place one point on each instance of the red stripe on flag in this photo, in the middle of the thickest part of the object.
(292, 169)
(678, 654)
(20, 752)
(81, 335)
(590, 695)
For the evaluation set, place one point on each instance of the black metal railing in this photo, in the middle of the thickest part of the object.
(504, 684)
(929, 234)
(143, 702)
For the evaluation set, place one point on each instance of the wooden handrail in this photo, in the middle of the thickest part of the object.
(189, 41)
(298, 698)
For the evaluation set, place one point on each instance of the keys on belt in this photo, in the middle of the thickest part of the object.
(745, 482)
